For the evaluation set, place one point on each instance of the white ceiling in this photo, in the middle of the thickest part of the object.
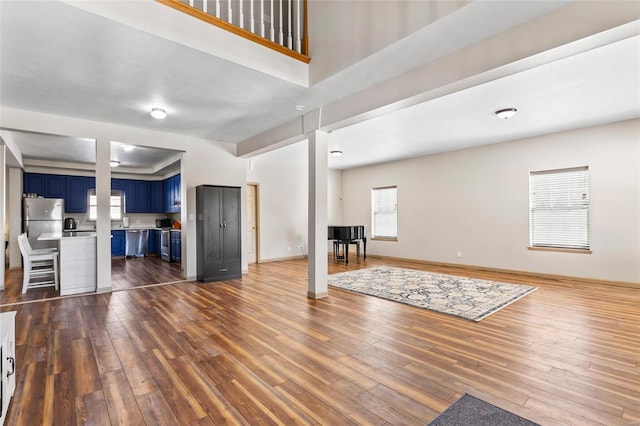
(598, 86)
(49, 63)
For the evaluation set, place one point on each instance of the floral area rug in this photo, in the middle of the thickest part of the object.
(468, 298)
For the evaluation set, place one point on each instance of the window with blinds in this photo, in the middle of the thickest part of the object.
(116, 205)
(559, 202)
(384, 212)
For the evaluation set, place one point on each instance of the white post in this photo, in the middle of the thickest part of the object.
(204, 6)
(191, 3)
(241, 13)
(218, 9)
(229, 12)
(103, 220)
(281, 39)
(298, 28)
(317, 225)
(253, 19)
(273, 33)
(289, 13)
(261, 18)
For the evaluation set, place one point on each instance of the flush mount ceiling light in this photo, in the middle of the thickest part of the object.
(506, 113)
(336, 153)
(128, 148)
(158, 113)
(114, 163)
(299, 107)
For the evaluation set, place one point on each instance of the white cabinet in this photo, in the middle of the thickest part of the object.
(7, 360)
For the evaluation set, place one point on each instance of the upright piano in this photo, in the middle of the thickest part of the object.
(343, 236)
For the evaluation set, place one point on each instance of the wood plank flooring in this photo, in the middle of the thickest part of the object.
(125, 274)
(257, 351)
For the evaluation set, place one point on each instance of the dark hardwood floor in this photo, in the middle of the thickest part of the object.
(125, 274)
(256, 350)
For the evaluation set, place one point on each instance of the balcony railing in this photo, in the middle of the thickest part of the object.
(278, 24)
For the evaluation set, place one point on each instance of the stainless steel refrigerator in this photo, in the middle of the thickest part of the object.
(42, 215)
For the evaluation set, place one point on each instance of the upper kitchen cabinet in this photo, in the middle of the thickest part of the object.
(77, 189)
(45, 185)
(173, 196)
(156, 196)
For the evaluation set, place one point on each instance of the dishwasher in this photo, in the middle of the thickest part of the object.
(136, 243)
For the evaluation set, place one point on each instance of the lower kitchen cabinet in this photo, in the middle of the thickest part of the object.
(118, 239)
(176, 246)
(218, 233)
(152, 241)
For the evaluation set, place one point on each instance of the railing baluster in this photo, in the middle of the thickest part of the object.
(273, 34)
(253, 19)
(261, 18)
(280, 25)
(298, 36)
(291, 31)
(289, 12)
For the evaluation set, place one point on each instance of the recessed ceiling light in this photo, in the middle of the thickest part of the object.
(128, 148)
(299, 107)
(506, 113)
(114, 163)
(336, 153)
(158, 113)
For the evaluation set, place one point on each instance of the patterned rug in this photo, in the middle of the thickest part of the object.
(468, 298)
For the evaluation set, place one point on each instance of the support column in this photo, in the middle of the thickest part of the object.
(318, 198)
(103, 222)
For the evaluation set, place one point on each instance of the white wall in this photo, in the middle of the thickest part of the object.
(334, 190)
(344, 32)
(476, 201)
(282, 175)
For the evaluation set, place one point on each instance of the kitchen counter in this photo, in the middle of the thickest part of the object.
(78, 260)
(56, 236)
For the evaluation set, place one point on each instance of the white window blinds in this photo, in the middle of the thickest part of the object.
(115, 207)
(384, 212)
(559, 201)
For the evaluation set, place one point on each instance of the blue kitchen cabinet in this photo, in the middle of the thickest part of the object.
(176, 246)
(55, 186)
(157, 236)
(151, 245)
(33, 183)
(130, 199)
(45, 185)
(156, 196)
(172, 193)
(117, 243)
(117, 184)
(77, 190)
(143, 200)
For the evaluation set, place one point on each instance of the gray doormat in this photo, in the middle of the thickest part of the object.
(471, 411)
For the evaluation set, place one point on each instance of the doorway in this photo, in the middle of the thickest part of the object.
(252, 223)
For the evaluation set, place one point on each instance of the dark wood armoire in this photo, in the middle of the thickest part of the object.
(218, 233)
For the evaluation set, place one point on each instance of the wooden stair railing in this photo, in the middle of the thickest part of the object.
(281, 24)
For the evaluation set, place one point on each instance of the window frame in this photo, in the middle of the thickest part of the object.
(561, 203)
(114, 193)
(373, 214)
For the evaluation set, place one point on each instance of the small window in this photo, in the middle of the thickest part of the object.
(559, 202)
(117, 203)
(384, 212)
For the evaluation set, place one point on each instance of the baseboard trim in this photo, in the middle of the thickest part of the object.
(280, 259)
(321, 295)
(627, 284)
